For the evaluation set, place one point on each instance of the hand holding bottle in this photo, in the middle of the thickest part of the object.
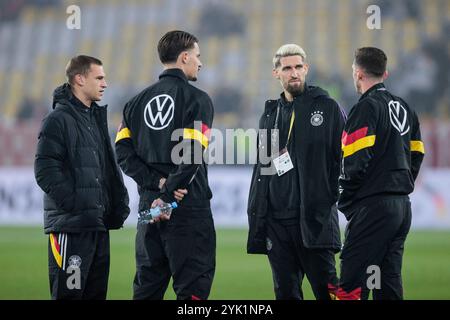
(160, 211)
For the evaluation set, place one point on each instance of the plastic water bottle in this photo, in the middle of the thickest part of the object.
(148, 215)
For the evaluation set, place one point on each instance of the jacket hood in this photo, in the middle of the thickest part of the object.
(62, 95)
(316, 92)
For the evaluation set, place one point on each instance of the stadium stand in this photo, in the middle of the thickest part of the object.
(237, 40)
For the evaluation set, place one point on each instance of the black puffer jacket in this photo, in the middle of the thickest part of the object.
(67, 168)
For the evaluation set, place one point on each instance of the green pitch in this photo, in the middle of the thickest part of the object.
(23, 266)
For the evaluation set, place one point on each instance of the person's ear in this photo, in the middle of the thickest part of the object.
(359, 74)
(275, 73)
(385, 75)
(184, 57)
(306, 66)
(79, 79)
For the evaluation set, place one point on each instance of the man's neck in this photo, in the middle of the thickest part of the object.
(289, 97)
(369, 84)
(82, 98)
(173, 66)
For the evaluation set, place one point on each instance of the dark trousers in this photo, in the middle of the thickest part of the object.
(79, 265)
(374, 241)
(290, 261)
(183, 248)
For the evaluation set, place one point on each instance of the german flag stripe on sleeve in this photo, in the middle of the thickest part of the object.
(348, 139)
(201, 136)
(356, 141)
(123, 134)
(417, 146)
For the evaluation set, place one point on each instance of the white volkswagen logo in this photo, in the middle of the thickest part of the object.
(159, 112)
(399, 117)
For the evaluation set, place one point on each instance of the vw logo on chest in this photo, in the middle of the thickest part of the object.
(159, 112)
(398, 117)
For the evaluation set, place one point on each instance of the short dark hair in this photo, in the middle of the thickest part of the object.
(173, 43)
(372, 60)
(80, 65)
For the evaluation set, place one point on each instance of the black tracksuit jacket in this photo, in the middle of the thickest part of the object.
(164, 117)
(382, 149)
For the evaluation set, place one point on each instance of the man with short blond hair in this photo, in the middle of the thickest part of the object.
(84, 191)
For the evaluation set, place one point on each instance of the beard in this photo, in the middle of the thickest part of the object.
(295, 90)
(193, 76)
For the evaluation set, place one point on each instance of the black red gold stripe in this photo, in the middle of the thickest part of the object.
(357, 140)
(56, 249)
(58, 244)
(201, 136)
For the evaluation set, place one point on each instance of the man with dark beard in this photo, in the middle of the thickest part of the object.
(292, 212)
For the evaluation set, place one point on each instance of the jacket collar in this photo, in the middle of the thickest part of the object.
(175, 72)
(80, 106)
(63, 95)
(282, 101)
(378, 86)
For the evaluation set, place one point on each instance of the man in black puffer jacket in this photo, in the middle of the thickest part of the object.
(84, 191)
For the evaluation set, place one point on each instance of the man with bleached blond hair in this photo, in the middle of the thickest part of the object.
(292, 212)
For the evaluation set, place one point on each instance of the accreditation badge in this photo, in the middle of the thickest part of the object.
(283, 162)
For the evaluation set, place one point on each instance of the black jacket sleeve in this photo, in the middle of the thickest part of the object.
(50, 167)
(195, 140)
(416, 147)
(130, 162)
(358, 139)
